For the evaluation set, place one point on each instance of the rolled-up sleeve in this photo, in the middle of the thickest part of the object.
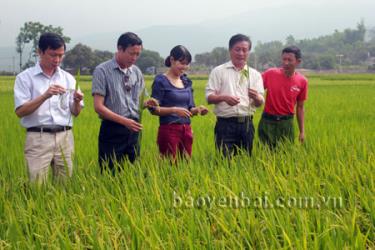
(257, 83)
(98, 82)
(213, 83)
(22, 92)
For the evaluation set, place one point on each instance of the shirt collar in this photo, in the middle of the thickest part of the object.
(231, 66)
(38, 69)
(115, 65)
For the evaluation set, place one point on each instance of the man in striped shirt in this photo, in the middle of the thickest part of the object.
(116, 87)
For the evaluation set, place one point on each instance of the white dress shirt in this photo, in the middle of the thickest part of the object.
(225, 79)
(32, 83)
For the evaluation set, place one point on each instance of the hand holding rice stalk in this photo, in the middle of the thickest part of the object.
(78, 79)
(77, 95)
(245, 78)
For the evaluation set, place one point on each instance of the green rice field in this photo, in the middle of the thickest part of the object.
(319, 195)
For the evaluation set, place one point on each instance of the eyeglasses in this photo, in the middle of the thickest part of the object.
(127, 85)
(55, 55)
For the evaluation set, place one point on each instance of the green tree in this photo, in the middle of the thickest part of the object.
(84, 58)
(327, 61)
(101, 56)
(371, 34)
(202, 59)
(148, 59)
(217, 56)
(290, 40)
(268, 54)
(30, 33)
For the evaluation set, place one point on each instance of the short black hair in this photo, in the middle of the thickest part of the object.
(128, 39)
(50, 40)
(239, 38)
(293, 49)
(179, 53)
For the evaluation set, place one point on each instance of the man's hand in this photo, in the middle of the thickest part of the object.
(202, 110)
(132, 125)
(231, 100)
(78, 96)
(54, 89)
(301, 137)
(258, 98)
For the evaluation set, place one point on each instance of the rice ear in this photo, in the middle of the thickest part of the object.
(78, 79)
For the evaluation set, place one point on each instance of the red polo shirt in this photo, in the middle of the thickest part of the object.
(283, 92)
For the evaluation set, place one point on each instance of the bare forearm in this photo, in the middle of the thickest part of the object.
(301, 119)
(164, 111)
(30, 106)
(215, 99)
(107, 114)
(76, 108)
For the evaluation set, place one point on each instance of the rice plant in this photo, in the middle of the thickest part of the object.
(319, 195)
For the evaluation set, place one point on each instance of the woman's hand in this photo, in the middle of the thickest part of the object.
(181, 112)
(152, 102)
(201, 110)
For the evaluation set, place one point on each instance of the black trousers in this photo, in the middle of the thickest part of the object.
(116, 144)
(232, 135)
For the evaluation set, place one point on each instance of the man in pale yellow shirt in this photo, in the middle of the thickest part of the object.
(236, 90)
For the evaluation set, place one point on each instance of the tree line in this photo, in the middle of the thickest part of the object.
(348, 48)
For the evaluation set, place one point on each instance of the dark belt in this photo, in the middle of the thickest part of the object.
(49, 129)
(276, 117)
(236, 119)
(115, 123)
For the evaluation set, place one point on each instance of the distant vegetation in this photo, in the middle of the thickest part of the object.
(347, 49)
(351, 49)
(30, 33)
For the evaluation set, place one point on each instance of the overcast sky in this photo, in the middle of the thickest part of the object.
(84, 17)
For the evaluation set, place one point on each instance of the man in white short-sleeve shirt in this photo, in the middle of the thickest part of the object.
(236, 90)
(45, 99)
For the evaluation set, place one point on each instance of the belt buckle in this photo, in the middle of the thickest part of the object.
(53, 129)
(241, 119)
(278, 118)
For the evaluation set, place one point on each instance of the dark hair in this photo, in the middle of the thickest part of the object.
(293, 49)
(239, 38)
(128, 39)
(179, 53)
(50, 40)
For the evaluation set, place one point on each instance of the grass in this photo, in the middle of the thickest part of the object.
(312, 196)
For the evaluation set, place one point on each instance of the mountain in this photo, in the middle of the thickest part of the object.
(266, 24)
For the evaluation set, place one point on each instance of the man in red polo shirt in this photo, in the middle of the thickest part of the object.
(285, 87)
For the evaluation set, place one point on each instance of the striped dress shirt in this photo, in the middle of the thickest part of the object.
(120, 88)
